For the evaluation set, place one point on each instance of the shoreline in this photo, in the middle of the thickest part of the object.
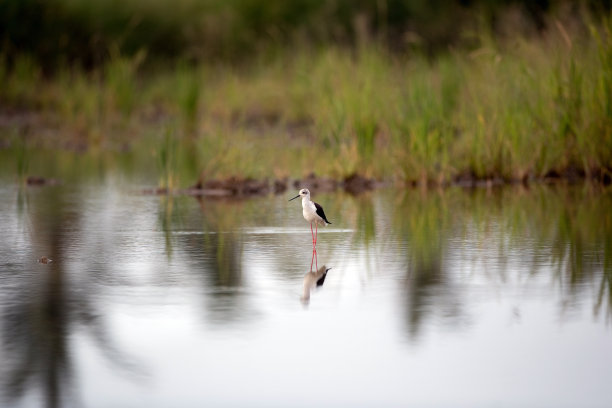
(354, 184)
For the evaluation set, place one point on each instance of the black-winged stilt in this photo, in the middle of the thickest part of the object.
(312, 212)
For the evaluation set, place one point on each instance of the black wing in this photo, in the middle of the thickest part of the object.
(322, 278)
(321, 213)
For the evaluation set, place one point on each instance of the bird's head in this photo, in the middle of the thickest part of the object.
(303, 193)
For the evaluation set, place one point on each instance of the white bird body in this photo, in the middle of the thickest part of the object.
(309, 211)
(312, 211)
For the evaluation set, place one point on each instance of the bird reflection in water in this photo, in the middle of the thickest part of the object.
(313, 280)
(314, 259)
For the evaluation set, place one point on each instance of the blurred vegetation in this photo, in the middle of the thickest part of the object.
(89, 32)
(421, 92)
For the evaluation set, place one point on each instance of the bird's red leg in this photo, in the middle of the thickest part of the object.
(312, 233)
(314, 255)
(316, 232)
(316, 260)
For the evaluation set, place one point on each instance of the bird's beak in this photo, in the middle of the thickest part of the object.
(295, 197)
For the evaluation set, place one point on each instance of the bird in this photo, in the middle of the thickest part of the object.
(312, 212)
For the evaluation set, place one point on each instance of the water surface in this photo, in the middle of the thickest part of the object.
(463, 298)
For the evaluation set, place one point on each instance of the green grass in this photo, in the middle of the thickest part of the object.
(512, 109)
(166, 154)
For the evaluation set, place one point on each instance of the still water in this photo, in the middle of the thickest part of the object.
(454, 298)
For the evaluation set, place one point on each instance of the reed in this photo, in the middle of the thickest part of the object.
(167, 160)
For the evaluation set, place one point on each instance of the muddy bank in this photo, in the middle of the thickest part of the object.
(41, 181)
(248, 187)
(570, 175)
(357, 184)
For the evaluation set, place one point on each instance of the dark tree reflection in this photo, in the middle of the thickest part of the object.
(424, 224)
(216, 255)
(514, 231)
(35, 329)
(43, 307)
